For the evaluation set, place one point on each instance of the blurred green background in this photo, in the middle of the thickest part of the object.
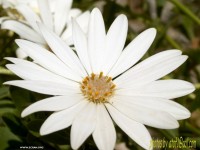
(178, 26)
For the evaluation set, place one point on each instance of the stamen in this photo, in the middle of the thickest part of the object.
(85, 82)
(106, 94)
(89, 88)
(97, 88)
(100, 75)
(92, 76)
(109, 79)
(96, 93)
(113, 86)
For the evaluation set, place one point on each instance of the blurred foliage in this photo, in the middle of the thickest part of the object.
(178, 26)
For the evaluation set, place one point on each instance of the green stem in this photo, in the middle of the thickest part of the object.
(166, 134)
(192, 128)
(186, 10)
(5, 71)
(172, 42)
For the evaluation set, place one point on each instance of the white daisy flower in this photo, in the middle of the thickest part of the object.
(98, 86)
(12, 3)
(57, 18)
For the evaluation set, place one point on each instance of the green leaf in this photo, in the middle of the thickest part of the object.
(6, 106)
(60, 137)
(35, 125)
(6, 138)
(14, 124)
(20, 97)
(57, 138)
(4, 92)
(188, 26)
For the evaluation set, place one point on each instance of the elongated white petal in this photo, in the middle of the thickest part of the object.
(151, 69)
(52, 5)
(61, 119)
(73, 13)
(44, 87)
(63, 51)
(45, 13)
(82, 21)
(31, 17)
(104, 134)
(56, 103)
(47, 59)
(176, 110)
(134, 52)
(147, 116)
(80, 42)
(168, 89)
(115, 41)
(67, 35)
(96, 40)
(2, 19)
(133, 129)
(23, 31)
(21, 54)
(61, 15)
(31, 71)
(83, 125)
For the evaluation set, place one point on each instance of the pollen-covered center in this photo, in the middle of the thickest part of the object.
(97, 88)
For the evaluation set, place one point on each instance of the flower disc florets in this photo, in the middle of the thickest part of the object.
(97, 88)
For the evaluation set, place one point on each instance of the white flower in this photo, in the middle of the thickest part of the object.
(57, 19)
(99, 85)
(13, 3)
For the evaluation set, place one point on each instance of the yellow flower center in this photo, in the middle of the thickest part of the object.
(97, 88)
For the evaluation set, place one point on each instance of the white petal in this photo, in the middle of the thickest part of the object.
(44, 87)
(80, 42)
(115, 41)
(73, 13)
(63, 51)
(176, 110)
(31, 71)
(134, 52)
(52, 4)
(2, 19)
(168, 89)
(31, 17)
(104, 134)
(151, 69)
(23, 31)
(61, 14)
(67, 35)
(56, 103)
(96, 40)
(82, 21)
(133, 129)
(147, 116)
(62, 119)
(21, 54)
(83, 125)
(47, 59)
(46, 13)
